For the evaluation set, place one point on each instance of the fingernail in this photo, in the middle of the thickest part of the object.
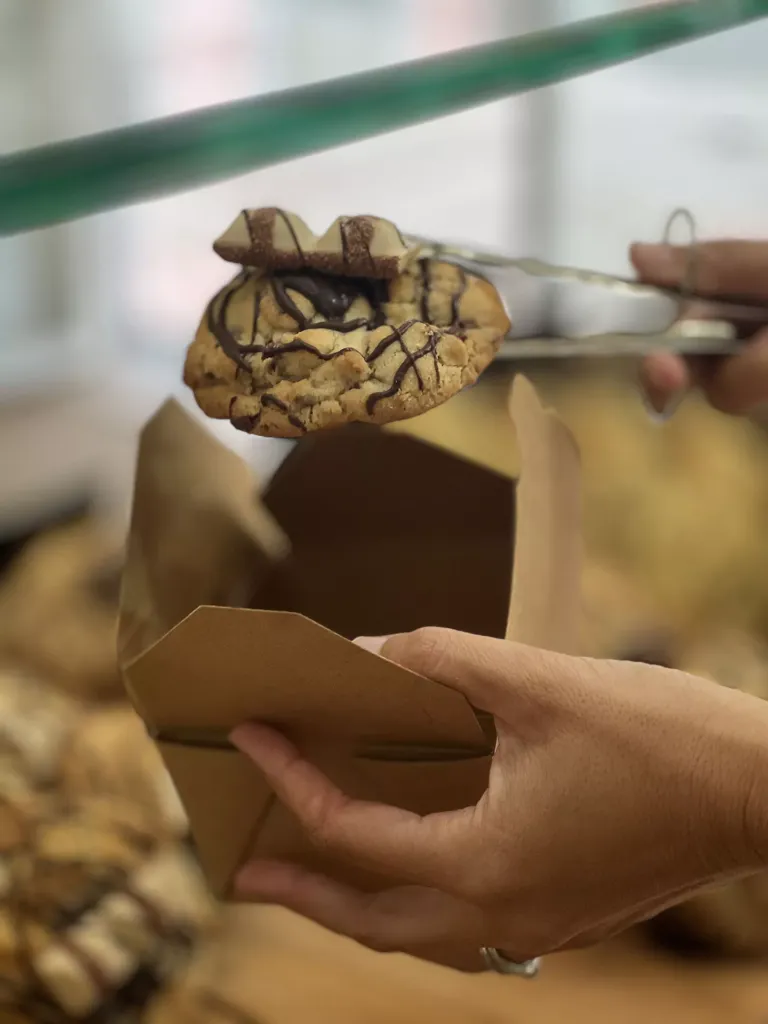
(244, 735)
(246, 887)
(659, 254)
(371, 643)
(238, 735)
(663, 410)
(655, 249)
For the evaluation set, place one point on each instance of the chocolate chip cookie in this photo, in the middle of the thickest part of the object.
(287, 348)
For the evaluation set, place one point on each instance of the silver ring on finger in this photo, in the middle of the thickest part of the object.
(496, 961)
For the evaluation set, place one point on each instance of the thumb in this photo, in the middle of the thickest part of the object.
(489, 672)
(736, 269)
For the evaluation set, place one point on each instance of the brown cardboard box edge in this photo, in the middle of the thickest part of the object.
(195, 664)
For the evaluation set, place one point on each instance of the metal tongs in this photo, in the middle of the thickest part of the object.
(561, 312)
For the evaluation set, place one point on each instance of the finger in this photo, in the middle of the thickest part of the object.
(664, 378)
(488, 671)
(730, 268)
(384, 839)
(403, 919)
(741, 382)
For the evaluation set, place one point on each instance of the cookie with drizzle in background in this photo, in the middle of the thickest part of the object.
(351, 326)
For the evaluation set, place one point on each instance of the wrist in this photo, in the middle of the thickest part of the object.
(739, 765)
(756, 800)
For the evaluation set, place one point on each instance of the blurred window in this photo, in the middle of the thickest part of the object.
(686, 127)
(570, 173)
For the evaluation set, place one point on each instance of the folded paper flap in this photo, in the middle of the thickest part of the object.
(223, 666)
(545, 606)
(422, 745)
(235, 815)
(198, 533)
(405, 753)
(195, 467)
(226, 800)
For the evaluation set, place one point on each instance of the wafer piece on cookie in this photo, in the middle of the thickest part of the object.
(362, 247)
(274, 239)
(266, 238)
(281, 354)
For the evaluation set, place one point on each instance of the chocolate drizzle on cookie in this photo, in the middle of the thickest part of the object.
(275, 402)
(425, 290)
(292, 231)
(330, 298)
(359, 294)
(411, 362)
(356, 235)
(260, 225)
(456, 300)
(216, 320)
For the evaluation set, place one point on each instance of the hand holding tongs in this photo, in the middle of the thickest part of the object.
(559, 312)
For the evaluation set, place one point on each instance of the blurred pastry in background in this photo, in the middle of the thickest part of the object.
(100, 902)
(679, 507)
(58, 608)
(618, 620)
(112, 755)
(730, 657)
(22, 806)
(733, 920)
(729, 922)
(97, 915)
(36, 724)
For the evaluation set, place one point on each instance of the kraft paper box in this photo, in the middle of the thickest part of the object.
(239, 603)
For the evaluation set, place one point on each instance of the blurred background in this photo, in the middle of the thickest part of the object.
(570, 173)
(95, 317)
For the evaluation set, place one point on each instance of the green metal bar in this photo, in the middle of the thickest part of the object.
(72, 179)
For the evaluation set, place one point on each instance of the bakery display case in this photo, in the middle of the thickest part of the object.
(570, 173)
(125, 288)
(95, 317)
